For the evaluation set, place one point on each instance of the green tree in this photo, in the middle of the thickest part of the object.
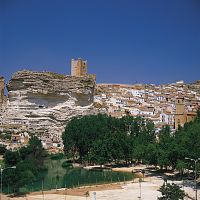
(143, 134)
(35, 150)
(171, 192)
(165, 147)
(81, 133)
(151, 154)
(108, 138)
(100, 152)
(187, 140)
(198, 115)
(2, 149)
(10, 179)
(98, 136)
(11, 158)
(28, 161)
(180, 166)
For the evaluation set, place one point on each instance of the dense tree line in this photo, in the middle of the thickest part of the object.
(28, 161)
(101, 139)
(173, 148)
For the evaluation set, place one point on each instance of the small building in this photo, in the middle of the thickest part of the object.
(15, 138)
(22, 138)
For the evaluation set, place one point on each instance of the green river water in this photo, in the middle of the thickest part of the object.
(59, 177)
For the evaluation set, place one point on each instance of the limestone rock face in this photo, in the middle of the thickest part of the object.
(45, 101)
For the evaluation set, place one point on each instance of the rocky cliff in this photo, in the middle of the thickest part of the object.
(44, 102)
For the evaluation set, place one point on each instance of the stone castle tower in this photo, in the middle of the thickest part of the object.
(1, 90)
(78, 67)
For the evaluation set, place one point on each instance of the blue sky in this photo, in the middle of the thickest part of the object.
(124, 41)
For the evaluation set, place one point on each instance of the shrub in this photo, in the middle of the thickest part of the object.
(57, 156)
(67, 164)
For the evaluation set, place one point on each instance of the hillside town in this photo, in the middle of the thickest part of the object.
(39, 103)
(171, 104)
(99, 100)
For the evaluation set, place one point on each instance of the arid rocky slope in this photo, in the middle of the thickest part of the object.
(44, 102)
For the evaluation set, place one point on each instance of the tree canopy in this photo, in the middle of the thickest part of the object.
(102, 139)
(28, 161)
(171, 192)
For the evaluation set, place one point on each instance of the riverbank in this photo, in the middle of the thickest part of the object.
(119, 191)
(129, 191)
(80, 191)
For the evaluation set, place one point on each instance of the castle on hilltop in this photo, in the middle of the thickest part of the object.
(34, 97)
(78, 67)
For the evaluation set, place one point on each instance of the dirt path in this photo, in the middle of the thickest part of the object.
(81, 191)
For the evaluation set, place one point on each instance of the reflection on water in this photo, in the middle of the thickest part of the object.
(59, 177)
(81, 176)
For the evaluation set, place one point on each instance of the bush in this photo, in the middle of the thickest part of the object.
(43, 169)
(67, 164)
(6, 136)
(57, 156)
(2, 149)
(171, 191)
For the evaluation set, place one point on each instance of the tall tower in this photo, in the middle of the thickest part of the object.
(180, 108)
(180, 116)
(1, 89)
(78, 67)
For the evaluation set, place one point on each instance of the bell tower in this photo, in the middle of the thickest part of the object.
(180, 116)
(180, 107)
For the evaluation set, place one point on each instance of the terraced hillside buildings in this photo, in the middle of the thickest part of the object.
(170, 104)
